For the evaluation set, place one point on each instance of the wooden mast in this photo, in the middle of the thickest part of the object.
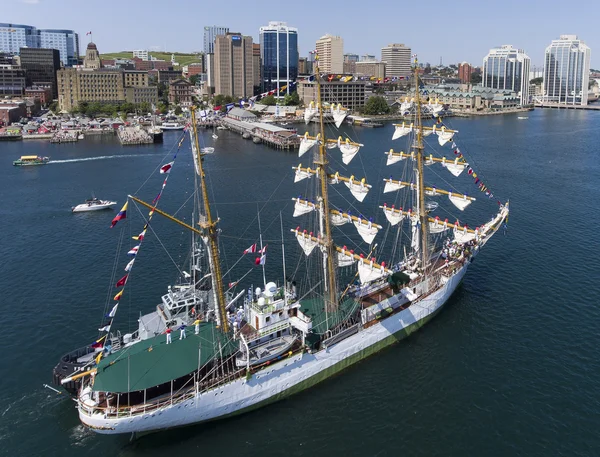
(421, 184)
(330, 252)
(209, 227)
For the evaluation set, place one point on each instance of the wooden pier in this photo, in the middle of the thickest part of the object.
(134, 135)
(269, 134)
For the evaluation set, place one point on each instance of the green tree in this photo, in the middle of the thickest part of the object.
(291, 99)
(269, 100)
(162, 108)
(178, 110)
(536, 81)
(54, 106)
(194, 79)
(475, 78)
(376, 105)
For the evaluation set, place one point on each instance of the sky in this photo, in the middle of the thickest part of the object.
(456, 31)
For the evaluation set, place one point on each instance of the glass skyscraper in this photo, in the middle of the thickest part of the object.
(507, 68)
(15, 36)
(210, 33)
(279, 55)
(566, 71)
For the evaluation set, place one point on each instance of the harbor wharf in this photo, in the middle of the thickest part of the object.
(260, 132)
(595, 107)
(134, 135)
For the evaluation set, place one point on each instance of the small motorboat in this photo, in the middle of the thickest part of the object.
(215, 136)
(93, 204)
(522, 117)
(31, 160)
(207, 150)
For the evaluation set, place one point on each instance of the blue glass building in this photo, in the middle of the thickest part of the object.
(279, 56)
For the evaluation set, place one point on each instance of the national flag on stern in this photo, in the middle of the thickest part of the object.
(121, 215)
(134, 250)
(251, 249)
(122, 281)
(166, 168)
(118, 296)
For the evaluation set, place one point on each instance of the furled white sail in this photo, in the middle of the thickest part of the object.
(406, 106)
(310, 112)
(302, 207)
(368, 272)
(339, 219)
(305, 144)
(348, 150)
(462, 236)
(402, 130)
(414, 243)
(455, 167)
(331, 145)
(460, 201)
(391, 186)
(393, 158)
(366, 230)
(429, 160)
(438, 226)
(306, 243)
(432, 193)
(345, 258)
(359, 189)
(443, 136)
(301, 174)
(392, 215)
(339, 114)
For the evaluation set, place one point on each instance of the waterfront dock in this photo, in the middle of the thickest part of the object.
(134, 135)
(594, 107)
(261, 132)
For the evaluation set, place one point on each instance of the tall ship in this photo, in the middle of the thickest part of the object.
(208, 353)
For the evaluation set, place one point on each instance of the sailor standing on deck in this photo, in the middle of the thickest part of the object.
(197, 326)
(182, 333)
(168, 332)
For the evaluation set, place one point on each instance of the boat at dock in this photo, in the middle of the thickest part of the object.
(172, 126)
(26, 161)
(235, 352)
(93, 204)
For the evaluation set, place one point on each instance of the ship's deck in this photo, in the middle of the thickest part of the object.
(152, 362)
(321, 321)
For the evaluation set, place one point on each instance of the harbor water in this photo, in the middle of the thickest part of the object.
(509, 367)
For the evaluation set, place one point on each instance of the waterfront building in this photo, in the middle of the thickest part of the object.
(43, 94)
(397, 60)
(166, 76)
(66, 41)
(12, 80)
(193, 69)
(41, 66)
(133, 78)
(279, 55)
(180, 92)
(350, 94)
(141, 54)
(465, 97)
(566, 71)
(465, 70)
(349, 63)
(92, 57)
(233, 69)
(12, 111)
(303, 66)
(507, 68)
(375, 69)
(257, 67)
(367, 58)
(331, 54)
(142, 94)
(210, 33)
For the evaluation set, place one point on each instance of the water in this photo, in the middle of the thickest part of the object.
(510, 366)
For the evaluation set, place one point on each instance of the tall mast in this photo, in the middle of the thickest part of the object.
(421, 181)
(209, 227)
(330, 252)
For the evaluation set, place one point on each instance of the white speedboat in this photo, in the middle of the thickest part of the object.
(523, 117)
(93, 204)
(171, 126)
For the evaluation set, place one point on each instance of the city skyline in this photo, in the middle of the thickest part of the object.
(160, 27)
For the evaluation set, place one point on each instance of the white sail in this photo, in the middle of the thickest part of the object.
(345, 258)
(414, 243)
(429, 132)
(306, 243)
(432, 193)
(443, 136)
(303, 207)
(367, 272)
(455, 167)
(460, 201)
(305, 144)
(301, 174)
(339, 114)
(358, 189)
(367, 230)
(391, 186)
(331, 145)
(339, 219)
(393, 216)
(393, 158)
(402, 130)
(348, 150)
(429, 160)
(310, 112)
(438, 226)
(461, 236)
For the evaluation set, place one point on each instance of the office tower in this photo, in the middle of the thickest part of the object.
(233, 65)
(507, 68)
(397, 59)
(331, 54)
(210, 33)
(279, 55)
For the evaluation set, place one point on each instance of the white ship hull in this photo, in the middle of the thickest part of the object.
(84, 207)
(283, 378)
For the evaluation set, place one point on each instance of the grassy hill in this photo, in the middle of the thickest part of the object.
(182, 59)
